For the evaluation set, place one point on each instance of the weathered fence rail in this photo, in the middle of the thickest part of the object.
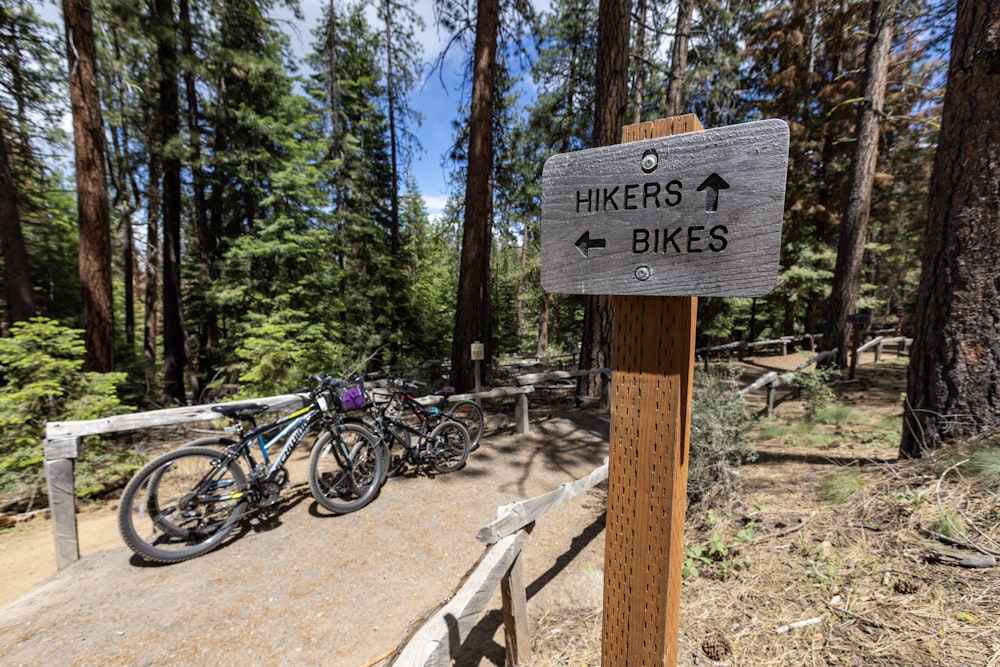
(438, 639)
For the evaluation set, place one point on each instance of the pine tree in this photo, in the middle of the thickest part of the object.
(92, 196)
(954, 371)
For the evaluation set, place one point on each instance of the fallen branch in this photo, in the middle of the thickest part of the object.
(961, 559)
(797, 624)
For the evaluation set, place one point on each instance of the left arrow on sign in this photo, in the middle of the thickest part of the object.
(585, 243)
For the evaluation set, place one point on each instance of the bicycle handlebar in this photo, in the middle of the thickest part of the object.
(403, 382)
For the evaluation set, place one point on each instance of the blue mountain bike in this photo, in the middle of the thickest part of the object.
(184, 503)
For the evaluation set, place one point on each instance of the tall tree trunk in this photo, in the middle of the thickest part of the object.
(174, 353)
(393, 150)
(640, 61)
(208, 339)
(543, 326)
(92, 193)
(610, 103)
(20, 298)
(678, 57)
(150, 328)
(853, 229)
(953, 384)
(472, 319)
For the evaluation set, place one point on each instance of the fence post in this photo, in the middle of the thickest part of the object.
(517, 634)
(521, 415)
(60, 459)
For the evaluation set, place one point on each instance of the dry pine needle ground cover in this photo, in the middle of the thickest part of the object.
(828, 550)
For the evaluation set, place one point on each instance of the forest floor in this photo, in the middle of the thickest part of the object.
(816, 553)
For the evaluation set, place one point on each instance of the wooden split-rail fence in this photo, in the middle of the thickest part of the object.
(437, 640)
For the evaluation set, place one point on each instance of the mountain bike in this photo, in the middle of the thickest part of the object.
(184, 503)
(444, 444)
(467, 413)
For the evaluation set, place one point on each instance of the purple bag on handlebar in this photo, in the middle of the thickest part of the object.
(352, 399)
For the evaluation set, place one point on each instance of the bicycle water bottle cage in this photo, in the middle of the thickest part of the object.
(445, 391)
(240, 411)
(430, 412)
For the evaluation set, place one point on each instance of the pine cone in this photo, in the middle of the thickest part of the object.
(906, 586)
(717, 647)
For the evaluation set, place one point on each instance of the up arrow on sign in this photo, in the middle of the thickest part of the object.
(713, 184)
(650, 217)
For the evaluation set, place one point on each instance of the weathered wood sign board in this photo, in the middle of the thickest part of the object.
(696, 214)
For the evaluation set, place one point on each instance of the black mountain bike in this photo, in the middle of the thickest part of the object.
(417, 435)
(184, 503)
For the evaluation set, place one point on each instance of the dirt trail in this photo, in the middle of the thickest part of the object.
(305, 588)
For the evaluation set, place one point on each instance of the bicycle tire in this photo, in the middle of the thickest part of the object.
(172, 511)
(470, 416)
(343, 486)
(450, 446)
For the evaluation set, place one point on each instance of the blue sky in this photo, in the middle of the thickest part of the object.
(437, 100)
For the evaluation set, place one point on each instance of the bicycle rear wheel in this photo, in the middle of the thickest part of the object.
(449, 446)
(182, 504)
(346, 468)
(469, 415)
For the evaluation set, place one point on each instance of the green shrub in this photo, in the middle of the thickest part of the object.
(816, 390)
(838, 486)
(719, 422)
(41, 380)
(984, 462)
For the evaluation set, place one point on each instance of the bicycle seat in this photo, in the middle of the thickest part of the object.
(445, 391)
(240, 411)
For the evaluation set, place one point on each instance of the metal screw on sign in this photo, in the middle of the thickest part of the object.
(643, 273)
(649, 161)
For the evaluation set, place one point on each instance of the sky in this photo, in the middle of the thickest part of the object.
(437, 100)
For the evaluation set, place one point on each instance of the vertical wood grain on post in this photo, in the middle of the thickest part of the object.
(517, 635)
(652, 377)
(60, 460)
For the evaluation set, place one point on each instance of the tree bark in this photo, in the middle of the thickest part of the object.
(678, 57)
(953, 383)
(91, 190)
(174, 353)
(151, 288)
(20, 298)
(472, 319)
(853, 229)
(610, 104)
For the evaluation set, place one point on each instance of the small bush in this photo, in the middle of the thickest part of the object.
(816, 390)
(41, 380)
(837, 487)
(719, 422)
(984, 463)
(950, 524)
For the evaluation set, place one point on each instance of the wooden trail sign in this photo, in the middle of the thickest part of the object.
(655, 308)
(694, 214)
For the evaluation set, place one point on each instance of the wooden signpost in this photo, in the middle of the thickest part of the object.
(668, 220)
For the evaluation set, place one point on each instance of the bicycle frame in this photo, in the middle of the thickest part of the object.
(292, 428)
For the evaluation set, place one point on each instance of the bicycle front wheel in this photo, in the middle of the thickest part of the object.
(449, 446)
(346, 468)
(182, 504)
(469, 415)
